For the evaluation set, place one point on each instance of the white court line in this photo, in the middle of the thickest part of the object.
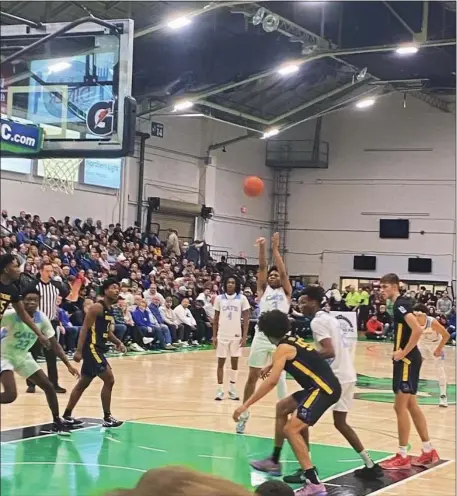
(349, 461)
(74, 463)
(217, 457)
(46, 435)
(153, 449)
(112, 439)
(243, 435)
(415, 476)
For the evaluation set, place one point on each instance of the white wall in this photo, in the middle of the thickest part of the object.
(24, 192)
(334, 213)
(175, 169)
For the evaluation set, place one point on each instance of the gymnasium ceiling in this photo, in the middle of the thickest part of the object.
(228, 66)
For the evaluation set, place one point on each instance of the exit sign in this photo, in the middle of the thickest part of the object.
(157, 129)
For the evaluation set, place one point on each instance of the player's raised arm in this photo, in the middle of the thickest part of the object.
(262, 275)
(94, 311)
(438, 328)
(278, 261)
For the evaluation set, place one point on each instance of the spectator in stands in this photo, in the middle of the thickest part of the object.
(203, 325)
(159, 321)
(363, 310)
(333, 296)
(352, 299)
(173, 243)
(68, 333)
(375, 329)
(444, 304)
(143, 320)
(120, 328)
(133, 337)
(171, 320)
(187, 320)
(386, 320)
(126, 294)
(222, 265)
(153, 293)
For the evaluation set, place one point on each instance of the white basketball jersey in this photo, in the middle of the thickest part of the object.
(325, 326)
(230, 308)
(428, 334)
(274, 299)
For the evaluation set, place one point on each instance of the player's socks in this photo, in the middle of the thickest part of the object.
(276, 454)
(220, 392)
(403, 451)
(311, 476)
(366, 459)
(427, 447)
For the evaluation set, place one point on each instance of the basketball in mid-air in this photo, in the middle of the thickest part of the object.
(253, 186)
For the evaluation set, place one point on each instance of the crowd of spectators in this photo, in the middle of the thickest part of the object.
(168, 287)
(375, 314)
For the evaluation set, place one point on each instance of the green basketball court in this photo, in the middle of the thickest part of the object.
(93, 459)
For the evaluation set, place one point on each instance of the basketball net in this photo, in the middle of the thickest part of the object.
(59, 174)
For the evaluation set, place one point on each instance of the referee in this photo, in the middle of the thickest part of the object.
(49, 291)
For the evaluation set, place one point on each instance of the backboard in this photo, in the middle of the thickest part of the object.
(65, 89)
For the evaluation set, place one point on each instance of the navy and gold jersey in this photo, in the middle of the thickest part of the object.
(402, 307)
(309, 369)
(97, 335)
(9, 293)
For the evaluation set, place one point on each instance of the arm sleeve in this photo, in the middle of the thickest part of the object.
(319, 330)
(244, 304)
(15, 294)
(46, 326)
(402, 309)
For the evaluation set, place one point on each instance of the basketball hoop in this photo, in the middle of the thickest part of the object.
(59, 174)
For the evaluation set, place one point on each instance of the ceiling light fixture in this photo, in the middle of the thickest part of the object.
(271, 132)
(288, 69)
(407, 50)
(185, 105)
(178, 23)
(59, 66)
(365, 103)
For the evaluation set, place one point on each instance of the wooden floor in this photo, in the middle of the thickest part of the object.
(178, 389)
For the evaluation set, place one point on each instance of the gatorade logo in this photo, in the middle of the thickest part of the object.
(100, 119)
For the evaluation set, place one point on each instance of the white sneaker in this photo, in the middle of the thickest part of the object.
(184, 345)
(219, 396)
(233, 395)
(195, 342)
(148, 340)
(443, 401)
(136, 348)
(170, 347)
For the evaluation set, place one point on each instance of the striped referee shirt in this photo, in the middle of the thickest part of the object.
(49, 291)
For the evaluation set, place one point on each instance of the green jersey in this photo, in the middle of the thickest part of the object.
(19, 337)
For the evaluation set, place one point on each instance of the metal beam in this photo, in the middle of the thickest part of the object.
(222, 144)
(399, 18)
(194, 13)
(314, 101)
(233, 112)
(310, 58)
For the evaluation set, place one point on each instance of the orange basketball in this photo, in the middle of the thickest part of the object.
(253, 186)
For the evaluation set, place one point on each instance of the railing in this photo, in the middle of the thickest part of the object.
(218, 254)
(234, 260)
(297, 154)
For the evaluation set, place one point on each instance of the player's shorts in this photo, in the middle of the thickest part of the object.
(94, 363)
(261, 351)
(406, 375)
(313, 403)
(427, 350)
(23, 366)
(228, 348)
(347, 397)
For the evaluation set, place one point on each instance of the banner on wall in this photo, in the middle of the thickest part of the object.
(348, 326)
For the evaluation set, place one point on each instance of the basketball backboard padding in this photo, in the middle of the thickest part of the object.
(75, 85)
